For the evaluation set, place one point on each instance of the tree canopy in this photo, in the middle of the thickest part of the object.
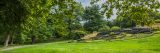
(137, 10)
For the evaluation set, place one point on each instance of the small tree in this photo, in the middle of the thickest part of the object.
(93, 17)
(114, 28)
(105, 28)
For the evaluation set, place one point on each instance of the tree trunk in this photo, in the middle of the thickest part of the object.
(12, 40)
(33, 39)
(7, 40)
(70, 29)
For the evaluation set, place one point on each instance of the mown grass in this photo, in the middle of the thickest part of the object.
(143, 45)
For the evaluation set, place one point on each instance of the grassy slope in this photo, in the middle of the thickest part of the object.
(144, 45)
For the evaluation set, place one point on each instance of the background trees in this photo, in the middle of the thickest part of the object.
(93, 17)
(124, 22)
(65, 19)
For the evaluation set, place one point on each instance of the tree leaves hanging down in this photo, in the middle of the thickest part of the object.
(137, 10)
(155, 15)
(38, 12)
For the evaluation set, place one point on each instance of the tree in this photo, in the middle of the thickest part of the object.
(63, 18)
(93, 18)
(22, 15)
(12, 15)
(124, 22)
(37, 18)
(72, 18)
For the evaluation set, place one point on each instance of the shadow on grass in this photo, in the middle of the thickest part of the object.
(31, 51)
(157, 49)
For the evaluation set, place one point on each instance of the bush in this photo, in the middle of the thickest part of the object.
(106, 28)
(123, 33)
(115, 28)
(77, 34)
(111, 33)
(156, 32)
(157, 21)
(20, 39)
(156, 28)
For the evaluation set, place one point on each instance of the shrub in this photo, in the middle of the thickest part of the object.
(112, 33)
(157, 21)
(77, 34)
(115, 28)
(20, 39)
(123, 33)
(106, 28)
(156, 32)
(156, 28)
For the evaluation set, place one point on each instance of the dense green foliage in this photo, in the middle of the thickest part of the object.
(93, 17)
(105, 28)
(124, 22)
(138, 11)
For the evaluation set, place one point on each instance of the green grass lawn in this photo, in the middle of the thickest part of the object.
(143, 45)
